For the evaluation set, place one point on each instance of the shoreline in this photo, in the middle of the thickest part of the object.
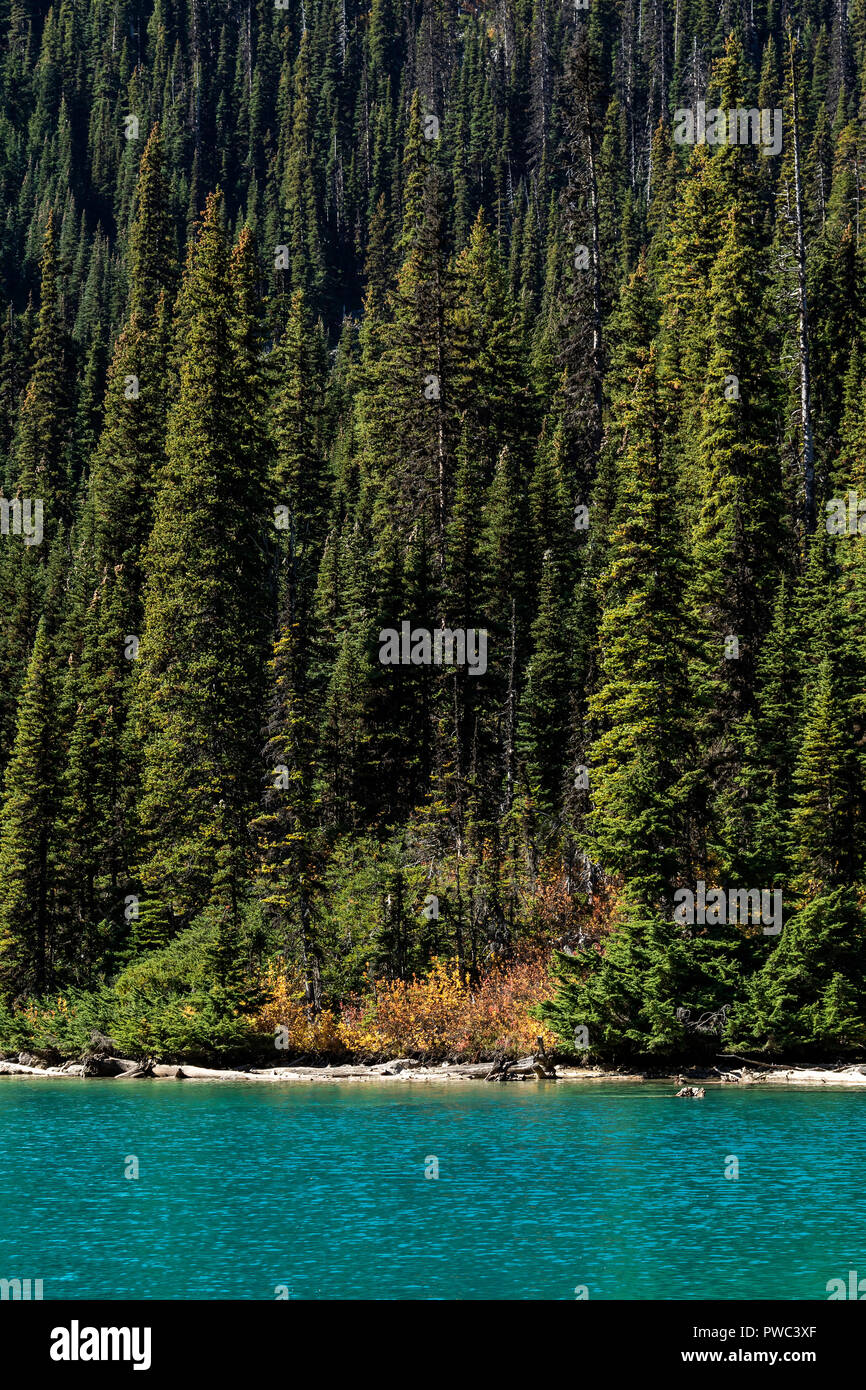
(407, 1070)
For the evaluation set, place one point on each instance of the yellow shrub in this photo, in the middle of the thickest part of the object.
(440, 1016)
(286, 1008)
(431, 1018)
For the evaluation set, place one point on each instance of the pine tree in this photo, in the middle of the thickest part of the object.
(152, 253)
(492, 388)
(40, 448)
(638, 997)
(199, 677)
(463, 331)
(131, 446)
(826, 823)
(298, 428)
(809, 996)
(288, 830)
(28, 809)
(736, 537)
(639, 713)
(94, 824)
(543, 735)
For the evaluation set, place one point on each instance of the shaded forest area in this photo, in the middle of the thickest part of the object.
(320, 320)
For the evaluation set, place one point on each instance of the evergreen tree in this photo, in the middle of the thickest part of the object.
(27, 812)
(639, 713)
(199, 678)
(40, 448)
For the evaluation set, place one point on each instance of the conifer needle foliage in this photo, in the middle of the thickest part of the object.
(328, 321)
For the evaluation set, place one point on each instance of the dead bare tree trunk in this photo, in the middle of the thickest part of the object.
(802, 304)
(596, 259)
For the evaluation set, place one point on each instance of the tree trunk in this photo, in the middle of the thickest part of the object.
(802, 309)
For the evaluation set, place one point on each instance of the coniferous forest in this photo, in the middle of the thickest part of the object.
(333, 334)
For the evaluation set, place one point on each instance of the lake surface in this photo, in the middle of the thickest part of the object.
(542, 1190)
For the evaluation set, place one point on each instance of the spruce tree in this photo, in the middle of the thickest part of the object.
(42, 438)
(27, 813)
(199, 696)
(639, 713)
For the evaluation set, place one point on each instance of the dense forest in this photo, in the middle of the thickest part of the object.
(431, 562)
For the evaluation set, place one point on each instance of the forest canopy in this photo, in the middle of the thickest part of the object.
(433, 444)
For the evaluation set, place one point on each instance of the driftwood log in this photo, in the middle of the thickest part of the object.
(691, 1092)
(136, 1072)
(538, 1065)
(473, 1071)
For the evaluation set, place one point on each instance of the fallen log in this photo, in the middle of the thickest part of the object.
(503, 1070)
(496, 1071)
(473, 1070)
(538, 1066)
(146, 1070)
(766, 1066)
(216, 1074)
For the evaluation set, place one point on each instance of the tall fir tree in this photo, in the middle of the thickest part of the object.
(199, 688)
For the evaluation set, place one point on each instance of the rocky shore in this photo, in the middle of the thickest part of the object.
(538, 1068)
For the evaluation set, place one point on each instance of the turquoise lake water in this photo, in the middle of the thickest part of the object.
(617, 1188)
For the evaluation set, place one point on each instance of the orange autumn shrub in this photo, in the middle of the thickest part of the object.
(285, 1007)
(433, 1018)
(417, 1017)
(501, 1007)
(440, 1016)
